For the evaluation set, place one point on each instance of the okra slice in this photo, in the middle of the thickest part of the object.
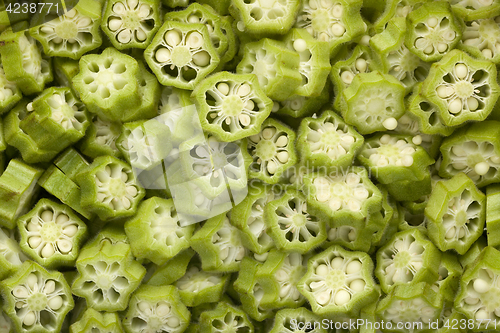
(291, 320)
(478, 298)
(225, 318)
(11, 255)
(100, 138)
(231, 106)
(18, 188)
(450, 316)
(408, 258)
(481, 37)
(339, 283)
(474, 10)
(71, 34)
(156, 309)
(108, 83)
(416, 304)
(335, 22)
(291, 225)
(300, 106)
(109, 188)
(107, 276)
(171, 271)
(71, 163)
(433, 31)
(10, 93)
(272, 151)
(327, 141)
(462, 88)
(492, 218)
(36, 300)
(51, 234)
(473, 150)
(450, 273)
(131, 23)
(455, 214)
(181, 54)
(357, 236)
(220, 6)
(155, 234)
(64, 71)
(473, 253)
(23, 62)
(373, 102)
(97, 322)
(276, 67)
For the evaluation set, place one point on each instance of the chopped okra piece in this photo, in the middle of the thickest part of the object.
(432, 31)
(107, 276)
(492, 217)
(231, 106)
(462, 88)
(156, 309)
(408, 258)
(181, 54)
(339, 283)
(109, 188)
(450, 316)
(409, 190)
(100, 138)
(455, 214)
(18, 186)
(97, 322)
(11, 255)
(373, 102)
(476, 9)
(450, 272)
(481, 37)
(36, 300)
(300, 106)
(225, 318)
(291, 225)
(354, 235)
(328, 142)
(131, 23)
(71, 34)
(64, 71)
(51, 234)
(276, 67)
(108, 83)
(23, 62)
(171, 271)
(10, 94)
(272, 151)
(71, 163)
(220, 6)
(296, 320)
(474, 150)
(155, 234)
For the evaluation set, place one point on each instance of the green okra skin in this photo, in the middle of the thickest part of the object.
(5, 322)
(476, 38)
(292, 319)
(353, 235)
(131, 24)
(232, 42)
(455, 214)
(109, 234)
(72, 34)
(181, 54)
(300, 106)
(231, 106)
(474, 251)
(272, 151)
(175, 3)
(450, 273)
(373, 102)
(276, 67)
(225, 318)
(51, 234)
(23, 62)
(107, 276)
(384, 12)
(11, 255)
(10, 93)
(155, 234)
(64, 71)
(71, 163)
(100, 138)
(328, 142)
(450, 316)
(156, 308)
(473, 150)
(409, 190)
(432, 31)
(463, 89)
(408, 258)
(172, 270)
(36, 300)
(220, 6)
(492, 219)
(109, 188)
(390, 217)
(102, 322)
(476, 10)
(339, 283)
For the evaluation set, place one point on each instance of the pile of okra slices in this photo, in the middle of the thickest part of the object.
(250, 166)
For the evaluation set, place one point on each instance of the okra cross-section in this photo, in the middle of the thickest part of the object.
(481, 38)
(231, 106)
(99, 322)
(225, 318)
(476, 9)
(291, 320)
(339, 283)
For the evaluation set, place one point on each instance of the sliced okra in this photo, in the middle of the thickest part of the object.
(97, 322)
(272, 151)
(171, 271)
(327, 141)
(107, 276)
(276, 67)
(476, 9)
(71, 163)
(231, 106)
(339, 283)
(390, 9)
(410, 190)
(492, 217)
(408, 258)
(11, 255)
(155, 234)
(131, 23)
(300, 106)
(181, 54)
(373, 102)
(232, 43)
(450, 272)
(225, 318)
(100, 138)
(10, 94)
(156, 309)
(390, 218)
(220, 6)
(175, 3)
(473, 150)
(36, 300)
(462, 88)
(51, 234)
(473, 253)
(481, 37)
(455, 214)
(71, 34)
(448, 317)
(291, 320)
(356, 236)
(23, 62)
(432, 31)
(64, 71)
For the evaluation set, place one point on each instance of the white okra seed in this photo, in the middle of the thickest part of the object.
(62, 218)
(173, 322)
(337, 262)
(461, 71)
(20, 292)
(481, 286)
(47, 251)
(46, 29)
(268, 132)
(357, 285)
(244, 90)
(450, 233)
(481, 315)
(162, 309)
(482, 168)
(442, 47)
(429, 49)
(55, 303)
(144, 306)
(322, 270)
(29, 319)
(417, 140)
(299, 45)
(347, 77)
(323, 298)
(223, 87)
(432, 22)
(272, 167)
(144, 10)
(114, 24)
(194, 40)
(64, 246)
(244, 119)
(338, 29)
(193, 19)
(201, 58)
(385, 139)
(50, 287)
(119, 8)
(390, 123)
(472, 103)
(31, 280)
(443, 91)
(33, 226)
(455, 106)
(47, 215)
(34, 241)
(337, 11)
(353, 267)
(132, 4)
(283, 156)
(342, 297)
(361, 65)
(172, 37)
(124, 36)
(140, 34)
(285, 290)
